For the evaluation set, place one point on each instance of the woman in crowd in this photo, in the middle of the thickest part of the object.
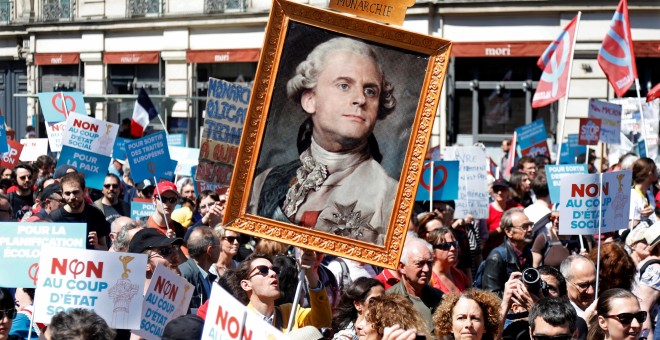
(501, 193)
(520, 185)
(428, 221)
(354, 302)
(210, 208)
(642, 200)
(7, 315)
(473, 314)
(395, 312)
(617, 269)
(618, 316)
(549, 248)
(229, 243)
(186, 188)
(445, 275)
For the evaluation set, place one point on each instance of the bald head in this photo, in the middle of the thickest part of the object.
(121, 228)
(119, 222)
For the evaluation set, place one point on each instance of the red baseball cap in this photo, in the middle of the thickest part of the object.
(165, 186)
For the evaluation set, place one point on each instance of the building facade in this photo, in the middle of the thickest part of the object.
(172, 47)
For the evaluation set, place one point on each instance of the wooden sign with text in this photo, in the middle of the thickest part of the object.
(388, 11)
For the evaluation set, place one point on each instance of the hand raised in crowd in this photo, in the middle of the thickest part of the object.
(516, 296)
(214, 215)
(397, 333)
(170, 233)
(93, 239)
(307, 262)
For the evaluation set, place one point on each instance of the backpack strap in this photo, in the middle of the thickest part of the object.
(345, 275)
(646, 265)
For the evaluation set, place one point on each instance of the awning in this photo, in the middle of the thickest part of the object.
(646, 48)
(499, 49)
(131, 57)
(56, 58)
(223, 56)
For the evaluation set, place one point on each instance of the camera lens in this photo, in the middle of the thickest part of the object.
(531, 276)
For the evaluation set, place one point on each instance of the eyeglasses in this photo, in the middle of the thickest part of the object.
(26, 177)
(627, 318)
(230, 239)
(163, 251)
(9, 313)
(113, 186)
(446, 245)
(169, 200)
(583, 285)
(552, 337)
(528, 225)
(265, 270)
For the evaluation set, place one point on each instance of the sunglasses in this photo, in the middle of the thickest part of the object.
(627, 318)
(113, 186)
(9, 313)
(265, 270)
(552, 337)
(446, 245)
(230, 239)
(164, 251)
(26, 177)
(169, 200)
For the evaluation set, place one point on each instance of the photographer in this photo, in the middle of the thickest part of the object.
(521, 292)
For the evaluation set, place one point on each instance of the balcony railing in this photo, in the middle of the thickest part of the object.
(5, 11)
(54, 10)
(220, 6)
(141, 8)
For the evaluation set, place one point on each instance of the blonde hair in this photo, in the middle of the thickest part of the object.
(490, 308)
(392, 309)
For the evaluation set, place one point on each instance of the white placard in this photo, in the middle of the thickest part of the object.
(55, 133)
(167, 297)
(610, 116)
(472, 180)
(33, 148)
(90, 134)
(580, 202)
(109, 283)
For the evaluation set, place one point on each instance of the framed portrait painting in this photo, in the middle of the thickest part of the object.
(336, 133)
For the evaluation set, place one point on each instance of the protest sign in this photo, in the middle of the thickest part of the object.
(10, 158)
(3, 136)
(570, 150)
(532, 139)
(589, 131)
(20, 246)
(168, 174)
(186, 158)
(227, 318)
(90, 134)
(142, 210)
(109, 283)
(167, 297)
(94, 166)
(640, 148)
(149, 156)
(226, 107)
(445, 182)
(610, 116)
(33, 148)
(176, 139)
(119, 149)
(472, 181)
(55, 132)
(554, 173)
(57, 105)
(582, 206)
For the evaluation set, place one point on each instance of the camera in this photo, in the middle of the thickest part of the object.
(532, 279)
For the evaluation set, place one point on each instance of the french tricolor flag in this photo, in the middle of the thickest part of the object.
(143, 113)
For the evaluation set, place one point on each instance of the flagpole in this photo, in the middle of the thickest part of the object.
(562, 115)
(641, 113)
(163, 124)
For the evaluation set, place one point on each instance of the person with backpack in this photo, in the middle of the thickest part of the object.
(513, 255)
(647, 280)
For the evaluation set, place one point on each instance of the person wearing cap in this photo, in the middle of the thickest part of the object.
(259, 279)
(62, 170)
(501, 193)
(50, 200)
(110, 204)
(636, 244)
(647, 283)
(76, 210)
(184, 327)
(160, 249)
(165, 198)
(145, 189)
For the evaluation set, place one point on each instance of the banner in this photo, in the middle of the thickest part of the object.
(142, 210)
(167, 297)
(473, 195)
(176, 139)
(610, 116)
(589, 131)
(149, 156)
(227, 318)
(10, 158)
(90, 134)
(33, 148)
(617, 56)
(186, 158)
(570, 150)
(531, 134)
(55, 132)
(20, 246)
(94, 166)
(445, 181)
(119, 149)
(226, 107)
(580, 203)
(109, 283)
(57, 105)
(554, 173)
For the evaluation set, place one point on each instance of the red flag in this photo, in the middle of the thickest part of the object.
(555, 63)
(616, 56)
(654, 93)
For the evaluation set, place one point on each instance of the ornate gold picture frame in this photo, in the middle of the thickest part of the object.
(358, 206)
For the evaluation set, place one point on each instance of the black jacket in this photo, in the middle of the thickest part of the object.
(497, 269)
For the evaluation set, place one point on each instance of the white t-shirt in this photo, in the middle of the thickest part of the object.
(355, 270)
(638, 202)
